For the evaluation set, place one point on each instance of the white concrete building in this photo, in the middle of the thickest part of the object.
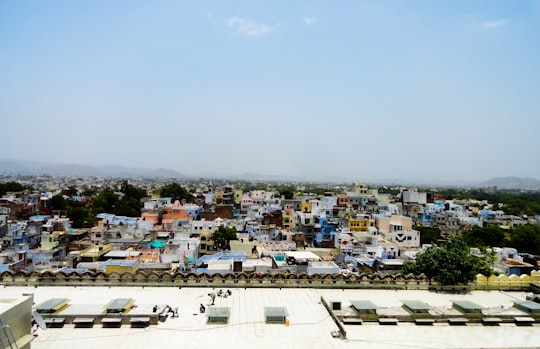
(410, 196)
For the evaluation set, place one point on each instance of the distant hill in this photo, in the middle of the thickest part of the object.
(13, 166)
(24, 167)
(265, 177)
(512, 183)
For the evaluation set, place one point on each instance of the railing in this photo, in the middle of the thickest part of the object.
(7, 340)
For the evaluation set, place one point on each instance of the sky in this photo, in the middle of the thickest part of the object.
(369, 90)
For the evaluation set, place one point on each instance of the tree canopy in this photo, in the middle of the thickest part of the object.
(449, 264)
(130, 205)
(429, 235)
(57, 202)
(105, 201)
(287, 191)
(514, 202)
(12, 187)
(131, 191)
(489, 236)
(223, 236)
(176, 192)
(526, 238)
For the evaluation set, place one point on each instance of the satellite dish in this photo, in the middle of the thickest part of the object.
(39, 320)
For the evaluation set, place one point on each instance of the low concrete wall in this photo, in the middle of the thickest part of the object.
(17, 314)
(336, 320)
(281, 280)
(503, 280)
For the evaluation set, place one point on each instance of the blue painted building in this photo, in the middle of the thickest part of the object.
(327, 229)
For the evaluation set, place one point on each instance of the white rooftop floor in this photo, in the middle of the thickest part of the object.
(310, 325)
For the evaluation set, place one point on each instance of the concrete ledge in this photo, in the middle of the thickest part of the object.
(491, 321)
(24, 341)
(456, 321)
(55, 322)
(83, 321)
(352, 321)
(140, 321)
(388, 321)
(425, 322)
(524, 320)
(111, 322)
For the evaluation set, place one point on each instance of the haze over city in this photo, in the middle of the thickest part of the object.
(364, 89)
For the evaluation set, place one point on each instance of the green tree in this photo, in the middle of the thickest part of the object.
(105, 201)
(131, 191)
(526, 238)
(515, 202)
(176, 192)
(128, 207)
(71, 191)
(450, 264)
(77, 215)
(89, 192)
(12, 187)
(287, 191)
(429, 235)
(57, 202)
(489, 236)
(317, 190)
(287, 194)
(223, 236)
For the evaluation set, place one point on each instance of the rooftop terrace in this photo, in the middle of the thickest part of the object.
(308, 325)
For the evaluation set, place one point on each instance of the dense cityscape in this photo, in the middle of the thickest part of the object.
(307, 174)
(52, 223)
(92, 232)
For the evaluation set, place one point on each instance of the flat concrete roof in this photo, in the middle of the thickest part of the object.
(302, 255)
(122, 254)
(309, 325)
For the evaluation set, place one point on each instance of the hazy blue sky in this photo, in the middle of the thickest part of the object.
(365, 89)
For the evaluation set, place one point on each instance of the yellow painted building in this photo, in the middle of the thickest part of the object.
(49, 240)
(121, 267)
(358, 224)
(219, 198)
(306, 206)
(207, 243)
(237, 196)
(287, 220)
(94, 253)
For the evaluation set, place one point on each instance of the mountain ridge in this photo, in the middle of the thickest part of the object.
(26, 167)
(13, 166)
